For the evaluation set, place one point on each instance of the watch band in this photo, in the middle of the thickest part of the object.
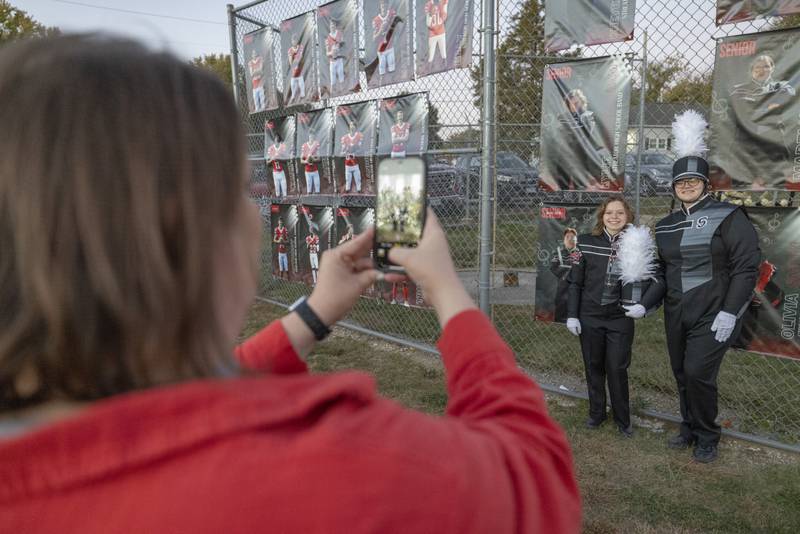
(311, 319)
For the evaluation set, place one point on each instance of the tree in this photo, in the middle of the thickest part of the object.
(219, 64)
(661, 75)
(692, 88)
(16, 23)
(435, 141)
(784, 23)
(520, 66)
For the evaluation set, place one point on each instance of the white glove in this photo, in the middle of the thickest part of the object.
(723, 325)
(574, 326)
(635, 311)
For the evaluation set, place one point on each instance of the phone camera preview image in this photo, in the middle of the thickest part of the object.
(399, 206)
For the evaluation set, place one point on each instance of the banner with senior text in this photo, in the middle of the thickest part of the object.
(755, 112)
(741, 10)
(584, 133)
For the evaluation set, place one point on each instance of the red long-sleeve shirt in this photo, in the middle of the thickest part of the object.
(293, 452)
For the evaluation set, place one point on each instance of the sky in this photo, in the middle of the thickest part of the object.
(206, 33)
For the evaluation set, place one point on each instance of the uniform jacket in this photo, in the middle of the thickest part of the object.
(594, 286)
(708, 261)
(291, 452)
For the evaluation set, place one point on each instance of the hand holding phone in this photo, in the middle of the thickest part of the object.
(399, 208)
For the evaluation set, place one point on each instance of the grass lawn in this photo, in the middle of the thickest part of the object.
(632, 485)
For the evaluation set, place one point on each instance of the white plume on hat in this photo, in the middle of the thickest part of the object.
(688, 130)
(636, 257)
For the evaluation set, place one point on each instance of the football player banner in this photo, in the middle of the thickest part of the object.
(284, 219)
(741, 10)
(278, 152)
(584, 133)
(388, 42)
(770, 324)
(313, 150)
(354, 147)
(337, 27)
(351, 222)
(403, 125)
(559, 226)
(298, 46)
(755, 112)
(444, 35)
(587, 22)
(262, 92)
(315, 235)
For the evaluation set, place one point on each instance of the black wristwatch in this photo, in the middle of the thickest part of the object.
(311, 319)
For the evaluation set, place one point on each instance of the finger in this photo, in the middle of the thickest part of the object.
(400, 255)
(714, 327)
(367, 278)
(363, 264)
(358, 246)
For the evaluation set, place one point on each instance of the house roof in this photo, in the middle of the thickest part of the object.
(662, 113)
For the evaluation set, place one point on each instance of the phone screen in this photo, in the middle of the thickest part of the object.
(399, 206)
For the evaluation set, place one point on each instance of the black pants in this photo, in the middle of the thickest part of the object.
(695, 357)
(606, 347)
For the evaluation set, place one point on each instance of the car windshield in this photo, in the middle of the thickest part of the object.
(510, 161)
(656, 159)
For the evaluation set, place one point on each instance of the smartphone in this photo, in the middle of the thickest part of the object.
(399, 207)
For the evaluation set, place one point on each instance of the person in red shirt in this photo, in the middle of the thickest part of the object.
(312, 244)
(296, 82)
(275, 153)
(383, 26)
(351, 145)
(126, 406)
(281, 238)
(334, 44)
(435, 17)
(400, 132)
(309, 156)
(256, 67)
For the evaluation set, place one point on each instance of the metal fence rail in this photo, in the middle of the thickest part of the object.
(492, 230)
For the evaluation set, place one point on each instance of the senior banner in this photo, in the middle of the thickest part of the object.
(559, 226)
(755, 113)
(587, 22)
(337, 27)
(313, 150)
(354, 147)
(262, 91)
(298, 46)
(770, 324)
(741, 10)
(278, 153)
(315, 236)
(444, 35)
(351, 222)
(585, 125)
(388, 42)
(403, 125)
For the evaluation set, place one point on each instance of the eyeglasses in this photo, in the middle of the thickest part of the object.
(688, 182)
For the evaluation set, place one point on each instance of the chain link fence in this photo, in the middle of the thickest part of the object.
(674, 45)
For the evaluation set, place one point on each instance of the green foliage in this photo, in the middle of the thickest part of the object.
(219, 64)
(16, 23)
(784, 23)
(672, 80)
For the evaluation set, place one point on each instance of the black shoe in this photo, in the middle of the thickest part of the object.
(680, 442)
(627, 432)
(705, 454)
(594, 423)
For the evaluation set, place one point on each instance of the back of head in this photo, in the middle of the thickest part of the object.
(121, 168)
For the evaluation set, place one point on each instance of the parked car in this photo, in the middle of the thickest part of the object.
(516, 179)
(450, 188)
(655, 170)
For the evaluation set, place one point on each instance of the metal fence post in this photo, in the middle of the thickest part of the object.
(488, 120)
(642, 94)
(234, 52)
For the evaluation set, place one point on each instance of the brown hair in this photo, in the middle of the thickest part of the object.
(122, 168)
(601, 210)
